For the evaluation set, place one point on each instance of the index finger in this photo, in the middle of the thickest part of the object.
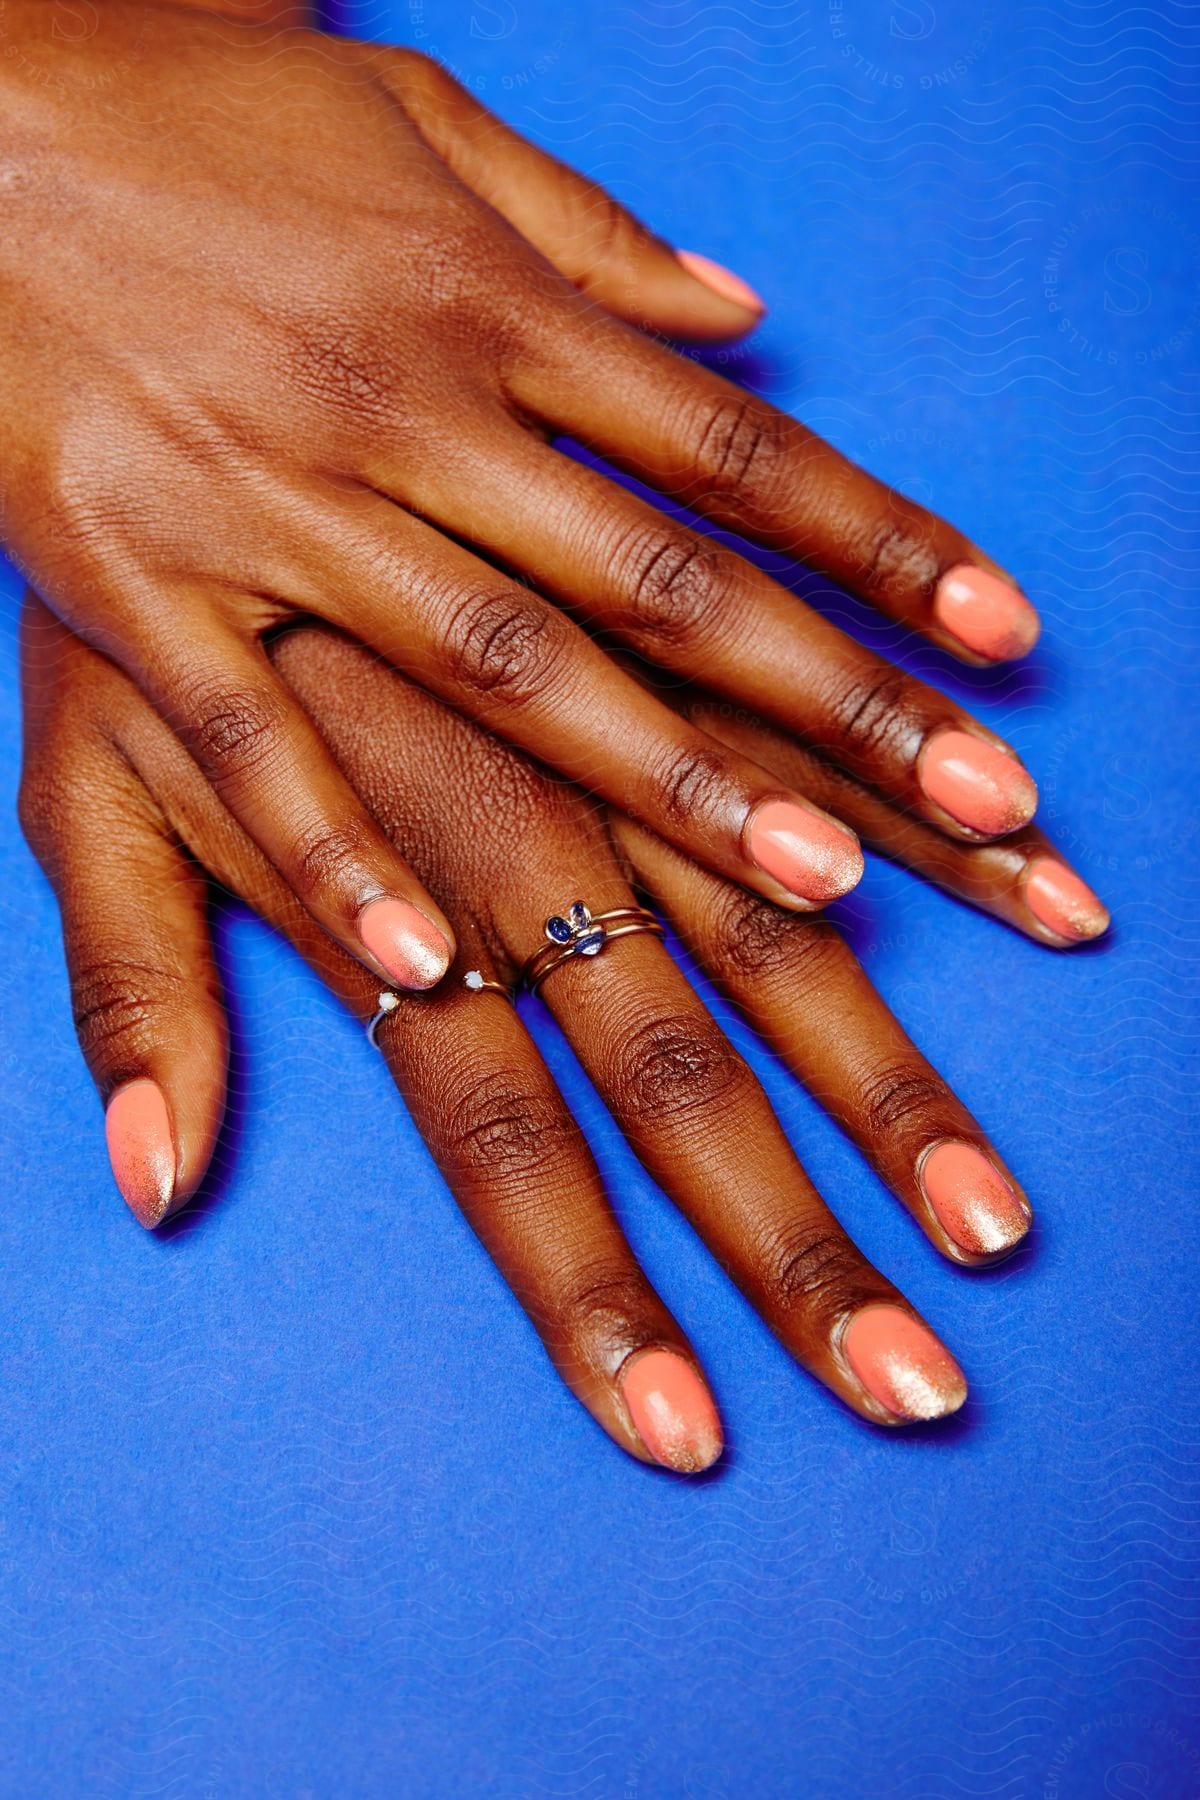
(744, 464)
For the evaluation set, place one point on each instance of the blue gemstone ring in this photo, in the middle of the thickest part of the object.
(579, 932)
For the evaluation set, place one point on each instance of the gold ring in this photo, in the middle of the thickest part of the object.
(388, 1000)
(583, 933)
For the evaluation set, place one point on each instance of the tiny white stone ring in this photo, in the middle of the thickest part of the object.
(388, 1000)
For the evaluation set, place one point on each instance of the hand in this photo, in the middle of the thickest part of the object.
(112, 805)
(297, 319)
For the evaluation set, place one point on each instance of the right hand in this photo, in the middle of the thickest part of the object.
(112, 806)
(296, 320)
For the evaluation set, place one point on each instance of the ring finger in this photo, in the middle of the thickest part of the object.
(807, 994)
(1022, 879)
(696, 1116)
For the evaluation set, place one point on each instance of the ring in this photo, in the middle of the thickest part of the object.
(582, 933)
(388, 1000)
(479, 983)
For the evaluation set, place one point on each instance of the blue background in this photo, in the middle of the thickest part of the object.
(292, 1504)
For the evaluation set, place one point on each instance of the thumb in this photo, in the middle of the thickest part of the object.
(576, 224)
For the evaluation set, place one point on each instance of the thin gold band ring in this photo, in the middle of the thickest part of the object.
(582, 933)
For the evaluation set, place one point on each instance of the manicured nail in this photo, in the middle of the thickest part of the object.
(808, 853)
(988, 615)
(977, 1207)
(672, 1411)
(902, 1365)
(985, 789)
(721, 280)
(1062, 903)
(407, 944)
(141, 1149)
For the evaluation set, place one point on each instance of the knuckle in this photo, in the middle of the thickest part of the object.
(693, 784)
(676, 1066)
(500, 1127)
(809, 1265)
(751, 932)
(327, 857)
(231, 728)
(872, 713)
(476, 283)
(505, 647)
(614, 235)
(898, 1093)
(896, 554)
(678, 586)
(740, 451)
(601, 1306)
(116, 1001)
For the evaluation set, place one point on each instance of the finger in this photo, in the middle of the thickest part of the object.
(576, 224)
(517, 1163)
(502, 655)
(694, 1113)
(1022, 879)
(481, 1096)
(731, 456)
(668, 1088)
(692, 606)
(144, 987)
(805, 991)
(271, 768)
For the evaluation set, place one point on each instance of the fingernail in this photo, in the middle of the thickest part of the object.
(407, 944)
(977, 1207)
(137, 1129)
(721, 280)
(672, 1411)
(983, 788)
(988, 615)
(902, 1365)
(808, 853)
(1061, 902)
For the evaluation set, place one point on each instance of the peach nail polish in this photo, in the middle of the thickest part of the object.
(141, 1149)
(808, 853)
(988, 615)
(985, 789)
(1061, 902)
(721, 280)
(672, 1411)
(977, 1207)
(408, 945)
(902, 1365)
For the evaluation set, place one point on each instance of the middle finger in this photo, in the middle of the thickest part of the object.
(694, 607)
(506, 658)
(694, 1113)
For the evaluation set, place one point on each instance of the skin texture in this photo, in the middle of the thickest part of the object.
(126, 827)
(339, 299)
(130, 481)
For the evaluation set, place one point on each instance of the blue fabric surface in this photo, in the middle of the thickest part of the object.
(293, 1504)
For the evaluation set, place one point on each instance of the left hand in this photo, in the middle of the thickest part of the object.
(109, 799)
